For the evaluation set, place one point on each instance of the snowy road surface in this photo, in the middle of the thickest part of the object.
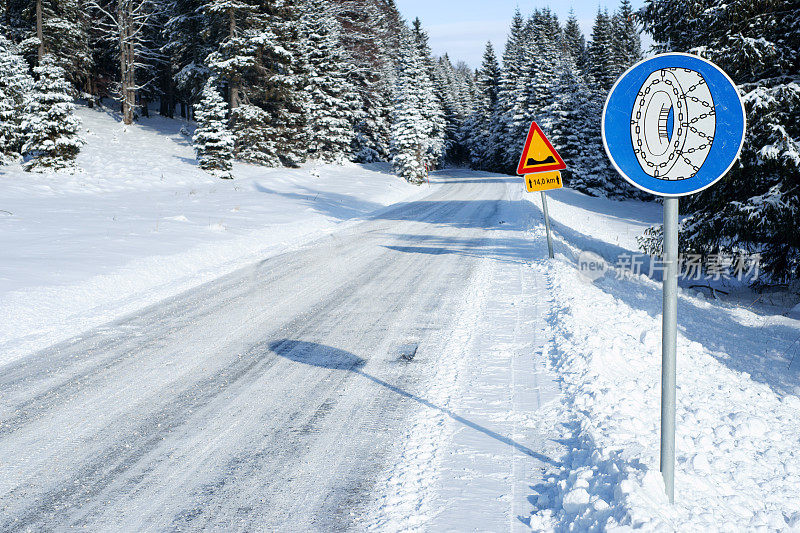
(276, 397)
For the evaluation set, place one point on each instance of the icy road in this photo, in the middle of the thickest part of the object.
(276, 397)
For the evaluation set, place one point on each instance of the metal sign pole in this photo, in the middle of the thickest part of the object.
(669, 341)
(547, 225)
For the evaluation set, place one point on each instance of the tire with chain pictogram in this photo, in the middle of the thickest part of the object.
(673, 123)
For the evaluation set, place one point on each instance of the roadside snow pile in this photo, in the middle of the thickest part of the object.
(141, 222)
(738, 417)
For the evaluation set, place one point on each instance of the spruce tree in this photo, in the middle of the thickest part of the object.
(235, 59)
(626, 42)
(756, 207)
(8, 130)
(597, 177)
(213, 141)
(261, 63)
(431, 109)
(602, 66)
(410, 136)
(52, 141)
(575, 43)
(477, 129)
(572, 124)
(192, 34)
(544, 58)
(368, 34)
(333, 107)
(65, 27)
(446, 90)
(16, 86)
(514, 117)
(279, 91)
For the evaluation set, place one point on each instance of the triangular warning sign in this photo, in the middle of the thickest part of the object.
(538, 154)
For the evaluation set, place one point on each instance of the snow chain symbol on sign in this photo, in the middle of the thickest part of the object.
(673, 124)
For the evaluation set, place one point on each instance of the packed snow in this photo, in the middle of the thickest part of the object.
(595, 433)
(738, 419)
(142, 222)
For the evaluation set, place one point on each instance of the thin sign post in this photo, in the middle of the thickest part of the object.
(547, 225)
(669, 341)
(673, 125)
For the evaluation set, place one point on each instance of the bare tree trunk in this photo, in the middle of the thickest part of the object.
(39, 30)
(127, 62)
(234, 86)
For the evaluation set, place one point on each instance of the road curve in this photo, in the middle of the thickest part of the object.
(268, 399)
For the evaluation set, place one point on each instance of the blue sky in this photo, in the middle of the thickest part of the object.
(461, 28)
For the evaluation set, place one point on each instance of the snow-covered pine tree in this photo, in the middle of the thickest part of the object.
(51, 128)
(64, 30)
(191, 34)
(431, 110)
(575, 43)
(573, 121)
(756, 207)
(333, 106)
(234, 60)
(466, 98)
(466, 85)
(235, 57)
(601, 54)
(279, 91)
(213, 141)
(514, 118)
(16, 87)
(8, 130)
(261, 64)
(479, 129)
(598, 177)
(447, 94)
(410, 134)
(367, 33)
(626, 42)
(543, 61)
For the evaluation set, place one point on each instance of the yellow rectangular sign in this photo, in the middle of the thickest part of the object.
(543, 181)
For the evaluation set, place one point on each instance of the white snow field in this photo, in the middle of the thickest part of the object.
(328, 348)
(738, 419)
(142, 223)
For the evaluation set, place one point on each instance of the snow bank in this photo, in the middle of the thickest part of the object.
(141, 223)
(738, 418)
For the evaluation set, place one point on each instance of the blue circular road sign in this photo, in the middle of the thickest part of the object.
(673, 124)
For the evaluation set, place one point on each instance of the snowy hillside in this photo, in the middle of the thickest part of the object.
(142, 222)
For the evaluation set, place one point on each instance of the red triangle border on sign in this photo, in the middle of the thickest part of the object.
(522, 169)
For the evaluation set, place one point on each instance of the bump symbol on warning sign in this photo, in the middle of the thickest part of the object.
(538, 154)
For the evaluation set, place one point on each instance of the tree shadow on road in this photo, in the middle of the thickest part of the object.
(311, 353)
(507, 249)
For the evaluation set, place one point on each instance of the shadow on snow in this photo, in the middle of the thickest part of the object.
(310, 353)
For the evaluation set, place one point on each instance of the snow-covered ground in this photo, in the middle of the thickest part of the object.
(142, 222)
(738, 419)
(582, 454)
(532, 402)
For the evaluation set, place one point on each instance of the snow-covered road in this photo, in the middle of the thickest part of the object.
(273, 398)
